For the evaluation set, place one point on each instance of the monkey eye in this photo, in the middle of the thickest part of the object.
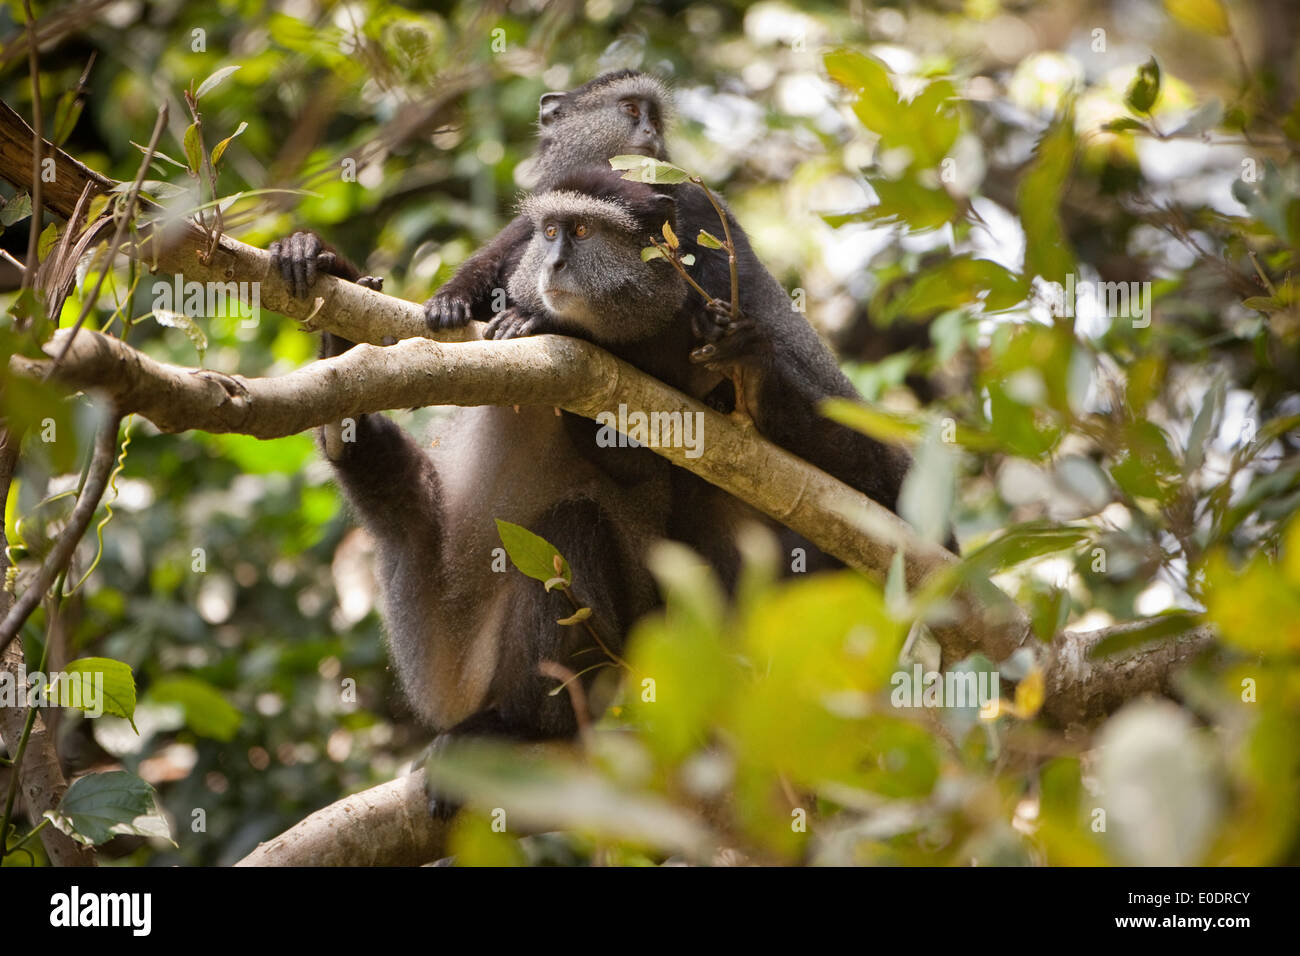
(581, 231)
(550, 231)
(631, 109)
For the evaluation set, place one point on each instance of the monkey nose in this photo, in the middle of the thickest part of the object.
(557, 265)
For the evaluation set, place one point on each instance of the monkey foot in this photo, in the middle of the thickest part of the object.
(725, 339)
(511, 324)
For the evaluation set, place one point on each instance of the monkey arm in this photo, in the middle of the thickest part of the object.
(781, 379)
(391, 483)
(468, 294)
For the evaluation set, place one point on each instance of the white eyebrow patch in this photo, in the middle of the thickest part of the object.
(566, 203)
(640, 87)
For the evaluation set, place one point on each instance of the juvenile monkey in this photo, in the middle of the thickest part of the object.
(620, 113)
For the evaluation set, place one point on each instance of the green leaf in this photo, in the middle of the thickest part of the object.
(1018, 544)
(538, 794)
(179, 320)
(857, 71)
(651, 252)
(66, 115)
(1204, 16)
(873, 421)
(1206, 418)
(926, 497)
(207, 712)
(646, 169)
(99, 806)
(577, 617)
(531, 554)
(157, 154)
(906, 200)
(49, 236)
(193, 148)
(1123, 124)
(708, 240)
(1145, 88)
(16, 209)
(959, 281)
(220, 148)
(213, 81)
(116, 679)
(1147, 631)
(1047, 251)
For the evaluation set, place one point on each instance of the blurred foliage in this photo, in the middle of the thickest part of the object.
(918, 174)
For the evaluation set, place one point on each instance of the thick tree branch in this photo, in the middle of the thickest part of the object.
(543, 370)
(387, 825)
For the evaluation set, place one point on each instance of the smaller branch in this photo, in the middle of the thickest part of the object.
(586, 623)
(1081, 689)
(731, 248)
(1268, 284)
(577, 698)
(57, 560)
(676, 263)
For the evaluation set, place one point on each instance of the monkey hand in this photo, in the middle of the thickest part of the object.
(727, 340)
(512, 323)
(300, 257)
(447, 309)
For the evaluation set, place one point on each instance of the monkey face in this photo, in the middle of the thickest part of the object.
(584, 264)
(618, 114)
(645, 135)
(566, 281)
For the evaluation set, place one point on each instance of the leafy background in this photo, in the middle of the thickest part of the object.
(914, 172)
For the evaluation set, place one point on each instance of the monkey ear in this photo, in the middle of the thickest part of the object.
(548, 106)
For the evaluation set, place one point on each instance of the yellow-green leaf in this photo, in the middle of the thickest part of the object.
(220, 148)
(1204, 16)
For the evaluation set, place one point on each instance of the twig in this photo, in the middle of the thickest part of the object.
(118, 236)
(29, 273)
(672, 256)
(586, 623)
(56, 561)
(730, 247)
(577, 696)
